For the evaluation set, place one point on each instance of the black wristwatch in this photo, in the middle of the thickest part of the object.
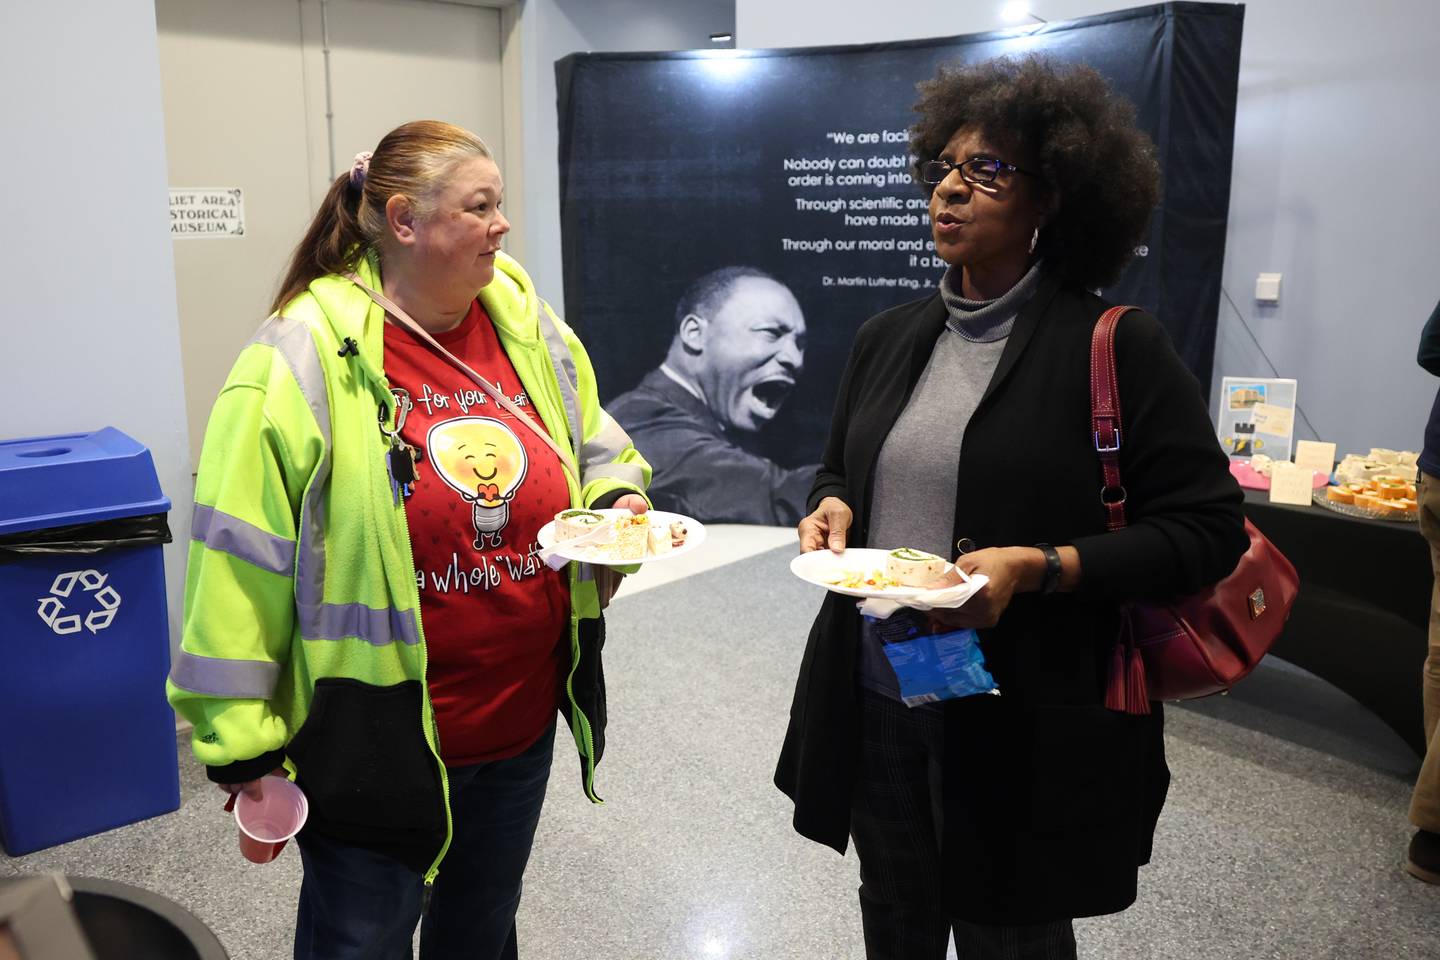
(1052, 568)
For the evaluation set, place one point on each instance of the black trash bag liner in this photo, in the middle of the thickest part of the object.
(86, 537)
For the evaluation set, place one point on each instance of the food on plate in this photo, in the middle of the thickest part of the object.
(660, 541)
(1262, 464)
(1342, 494)
(614, 536)
(1378, 464)
(632, 537)
(862, 580)
(1386, 496)
(570, 524)
(1396, 508)
(1405, 459)
(1391, 489)
(669, 537)
(913, 568)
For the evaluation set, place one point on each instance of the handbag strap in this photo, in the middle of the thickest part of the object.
(1105, 414)
(567, 460)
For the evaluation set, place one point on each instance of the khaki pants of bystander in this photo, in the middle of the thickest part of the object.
(1425, 802)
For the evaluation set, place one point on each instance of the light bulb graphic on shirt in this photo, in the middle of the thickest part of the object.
(482, 460)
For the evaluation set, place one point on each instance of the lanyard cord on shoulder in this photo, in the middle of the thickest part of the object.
(567, 460)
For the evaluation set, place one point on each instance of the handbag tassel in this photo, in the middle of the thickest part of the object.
(1125, 689)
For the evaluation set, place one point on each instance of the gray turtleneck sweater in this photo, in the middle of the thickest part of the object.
(913, 504)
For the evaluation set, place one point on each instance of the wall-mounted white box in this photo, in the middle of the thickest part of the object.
(1267, 288)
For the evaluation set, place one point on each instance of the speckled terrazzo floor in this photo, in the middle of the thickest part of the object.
(1282, 838)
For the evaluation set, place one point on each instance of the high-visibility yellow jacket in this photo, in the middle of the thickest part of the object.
(302, 641)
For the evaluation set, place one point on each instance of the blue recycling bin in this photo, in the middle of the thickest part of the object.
(87, 739)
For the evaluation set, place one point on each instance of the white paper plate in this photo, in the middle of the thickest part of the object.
(821, 566)
(694, 536)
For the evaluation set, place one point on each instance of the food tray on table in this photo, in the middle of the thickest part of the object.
(1363, 513)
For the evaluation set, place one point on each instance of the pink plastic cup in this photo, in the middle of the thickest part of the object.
(267, 824)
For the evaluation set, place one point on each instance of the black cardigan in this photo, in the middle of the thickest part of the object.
(1050, 800)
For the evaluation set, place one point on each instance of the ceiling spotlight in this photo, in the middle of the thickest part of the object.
(1015, 11)
(721, 37)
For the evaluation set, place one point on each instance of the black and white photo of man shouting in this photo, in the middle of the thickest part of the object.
(737, 352)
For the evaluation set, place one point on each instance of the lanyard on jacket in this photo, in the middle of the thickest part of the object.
(404, 320)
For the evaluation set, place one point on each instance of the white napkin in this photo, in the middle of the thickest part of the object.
(945, 597)
(605, 533)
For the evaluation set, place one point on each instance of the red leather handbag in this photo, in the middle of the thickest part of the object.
(1198, 645)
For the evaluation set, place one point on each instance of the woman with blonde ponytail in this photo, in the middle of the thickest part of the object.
(365, 611)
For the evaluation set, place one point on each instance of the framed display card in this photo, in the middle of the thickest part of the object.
(1257, 415)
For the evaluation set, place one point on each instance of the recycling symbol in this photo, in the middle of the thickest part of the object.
(104, 600)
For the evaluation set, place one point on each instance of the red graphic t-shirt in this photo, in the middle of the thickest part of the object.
(494, 614)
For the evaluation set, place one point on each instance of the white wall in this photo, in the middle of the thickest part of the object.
(1333, 186)
(550, 30)
(90, 331)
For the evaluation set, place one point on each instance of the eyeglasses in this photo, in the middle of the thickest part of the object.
(981, 171)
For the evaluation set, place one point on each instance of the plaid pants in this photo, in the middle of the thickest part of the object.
(895, 824)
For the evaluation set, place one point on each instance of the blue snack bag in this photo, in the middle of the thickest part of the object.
(932, 666)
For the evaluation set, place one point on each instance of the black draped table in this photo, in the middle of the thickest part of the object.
(1364, 607)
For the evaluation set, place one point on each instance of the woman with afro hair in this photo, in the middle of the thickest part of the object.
(962, 428)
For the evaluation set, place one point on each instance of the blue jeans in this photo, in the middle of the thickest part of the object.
(359, 905)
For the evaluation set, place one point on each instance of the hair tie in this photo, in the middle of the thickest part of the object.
(359, 169)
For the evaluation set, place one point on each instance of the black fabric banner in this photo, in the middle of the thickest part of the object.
(794, 163)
